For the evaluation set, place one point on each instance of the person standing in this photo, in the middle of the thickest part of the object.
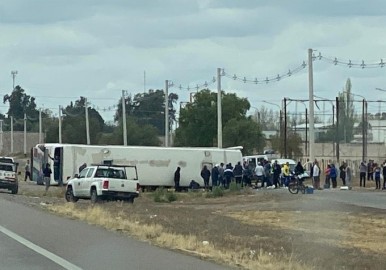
(215, 175)
(27, 171)
(228, 175)
(57, 174)
(267, 173)
(377, 176)
(276, 174)
(286, 174)
(362, 174)
(333, 175)
(316, 175)
(342, 173)
(177, 177)
(370, 171)
(221, 175)
(328, 177)
(384, 175)
(259, 171)
(47, 176)
(238, 172)
(205, 174)
(348, 176)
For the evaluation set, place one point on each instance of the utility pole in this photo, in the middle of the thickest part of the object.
(124, 124)
(219, 110)
(60, 124)
(311, 105)
(11, 134)
(13, 73)
(87, 123)
(281, 130)
(1, 136)
(363, 131)
(337, 130)
(25, 134)
(40, 126)
(166, 113)
(285, 128)
(305, 146)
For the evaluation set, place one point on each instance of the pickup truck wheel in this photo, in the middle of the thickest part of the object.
(69, 195)
(15, 190)
(94, 196)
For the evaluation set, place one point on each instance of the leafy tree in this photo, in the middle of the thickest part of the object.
(148, 109)
(244, 132)
(198, 121)
(136, 135)
(294, 142)
(74, 123)
(346, 114)
(20, 103)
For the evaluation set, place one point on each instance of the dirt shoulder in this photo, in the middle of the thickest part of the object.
(265, 229)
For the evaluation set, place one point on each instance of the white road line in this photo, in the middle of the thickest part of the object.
(56, 259)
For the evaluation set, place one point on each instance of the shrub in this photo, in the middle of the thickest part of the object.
(216, 192)
(162, 195)
(233, 187)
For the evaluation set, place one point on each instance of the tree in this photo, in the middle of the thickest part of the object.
(346, 114)
(137, 135)
(74, 123)
(20, 103)
(294, 142)
(149, 109)
(267, 119)
(244, 132)
(198, 121)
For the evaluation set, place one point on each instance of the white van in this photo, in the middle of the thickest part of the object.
(254, 159)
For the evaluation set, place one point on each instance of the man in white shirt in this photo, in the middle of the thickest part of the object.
(316, 175)
(259, 171)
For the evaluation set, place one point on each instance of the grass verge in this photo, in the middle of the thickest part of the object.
(132, 225)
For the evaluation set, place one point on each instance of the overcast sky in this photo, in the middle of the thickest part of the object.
(63, 49)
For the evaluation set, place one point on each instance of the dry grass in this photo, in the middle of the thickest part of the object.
(156, 234)
(364, 231)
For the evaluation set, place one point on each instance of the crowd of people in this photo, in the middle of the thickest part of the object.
(275, 175)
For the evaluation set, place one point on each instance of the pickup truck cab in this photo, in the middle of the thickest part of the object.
(100, 182)
(8, 177)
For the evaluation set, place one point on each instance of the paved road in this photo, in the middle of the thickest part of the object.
(33, 239)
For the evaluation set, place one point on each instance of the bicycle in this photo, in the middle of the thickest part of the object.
(296, 184)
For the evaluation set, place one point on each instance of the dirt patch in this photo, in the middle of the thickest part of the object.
(265, 229)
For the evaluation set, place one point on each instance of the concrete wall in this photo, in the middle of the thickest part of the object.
(18, 142)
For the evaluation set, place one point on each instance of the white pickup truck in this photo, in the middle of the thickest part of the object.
(8, 177)
(104, 182)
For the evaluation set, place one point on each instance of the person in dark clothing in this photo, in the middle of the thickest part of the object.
(299, 169)
(384, 175)
(57, 175)
(215, 175)
(47, 176)
(377, 176)
(342, 175)
(228, 175)
(276, 174)
(238, 172)
(370, 171)
(247, 175)
(267, 174)
(205, 174)
(333, 175)
(362, 174)
(177, 177)
(221, 174)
